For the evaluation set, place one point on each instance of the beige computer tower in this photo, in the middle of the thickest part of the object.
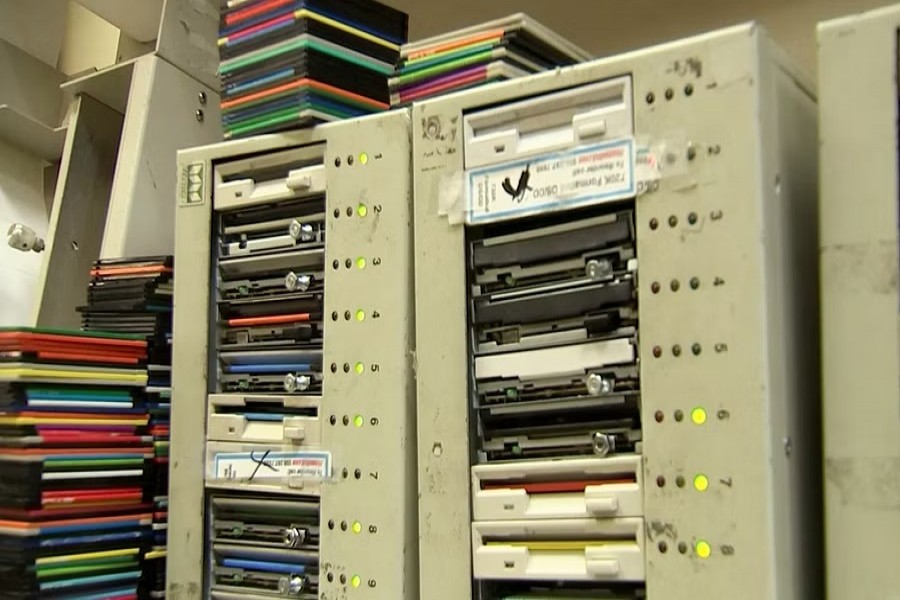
(293, 432)
(617, 330)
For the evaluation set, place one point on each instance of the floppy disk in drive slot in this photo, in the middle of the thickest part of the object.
(301, 335)
(558, 489)
(278, 283)
(581, 433)
(561, 549)
(596, 388)
(268, 571)
(291, 371)
(266, 522)
(265, 419)
(522, 249)
(307, 231)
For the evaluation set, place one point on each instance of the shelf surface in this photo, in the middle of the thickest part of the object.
(110, 85)
(31, 135)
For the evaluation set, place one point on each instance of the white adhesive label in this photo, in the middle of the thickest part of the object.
(647, 169)
(578, 177)
(267, 465)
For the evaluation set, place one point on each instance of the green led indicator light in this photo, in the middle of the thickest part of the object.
(360, 368)
(355, 581)
(358, 420)
(361, 263)
(360, 315)
(701, 483)
(698, 416)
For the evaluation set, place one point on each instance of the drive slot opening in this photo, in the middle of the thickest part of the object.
(574, 542)
(272, 165)
(495, 590)
(267, 411)
(540, 485)
(300, 336)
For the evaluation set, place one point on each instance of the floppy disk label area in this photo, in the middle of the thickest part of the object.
(266, 465)
(582, 176)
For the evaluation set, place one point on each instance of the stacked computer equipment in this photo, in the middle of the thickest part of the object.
(270, 274)
(134, 295)
(292, 63)
(497, 50)
(294, 296)
(617, 398)
(75, 459)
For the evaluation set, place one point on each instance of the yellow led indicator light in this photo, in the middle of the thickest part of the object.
(363, 158)
(703, 549)
(362, 210)
(360, 315)
(357, 527)
(701, 483)
(698, 416)
(360, 368)
(355, 581)
(358, 420)
(361, 263)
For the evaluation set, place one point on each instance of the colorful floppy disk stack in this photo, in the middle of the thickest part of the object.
(134, 295)
(159, 394)
(293, 63)
(159, 398)
(511, 47)
(131, 295)
(74, 463)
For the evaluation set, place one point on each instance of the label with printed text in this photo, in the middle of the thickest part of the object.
(579, 177)
(263, 465)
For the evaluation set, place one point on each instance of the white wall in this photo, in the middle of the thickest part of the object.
(21, 200)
